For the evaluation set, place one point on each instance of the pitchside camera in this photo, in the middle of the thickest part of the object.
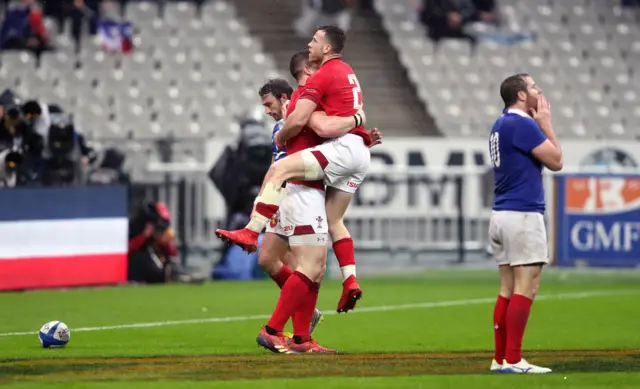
(61, 139)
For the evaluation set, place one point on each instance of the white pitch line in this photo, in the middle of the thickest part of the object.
(381, 308)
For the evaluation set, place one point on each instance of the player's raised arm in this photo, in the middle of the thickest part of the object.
(295, 121)
(335, 126)
(549, 152)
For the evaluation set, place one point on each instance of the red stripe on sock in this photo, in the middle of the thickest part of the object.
(500, 328)
(345, 252)
(517, 317)
(292, 295)
(266, 210)
(282, 276)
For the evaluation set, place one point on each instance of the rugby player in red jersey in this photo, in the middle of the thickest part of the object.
(342, 162)
(274, 255)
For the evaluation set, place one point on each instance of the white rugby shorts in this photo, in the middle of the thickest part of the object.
(302, 217)
(518, 238)
(345, 162)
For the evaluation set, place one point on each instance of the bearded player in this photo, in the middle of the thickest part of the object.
(342, 162)
(300, 223)
(521, 143)
(274, 255)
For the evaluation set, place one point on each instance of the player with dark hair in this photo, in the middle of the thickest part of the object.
(276, 255)
(342, 162)
(522, 141)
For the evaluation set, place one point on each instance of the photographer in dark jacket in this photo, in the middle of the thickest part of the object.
(151, 244)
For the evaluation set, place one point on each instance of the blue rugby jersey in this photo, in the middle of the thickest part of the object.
(277, 154)
(517, 173)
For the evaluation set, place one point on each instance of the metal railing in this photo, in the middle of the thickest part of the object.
(395, 210)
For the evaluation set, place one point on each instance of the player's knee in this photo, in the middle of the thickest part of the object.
(323, 271)
(267, 261)
(314, 268)
(506, 290)
(277, 171)
(527, 287)
(337, 229)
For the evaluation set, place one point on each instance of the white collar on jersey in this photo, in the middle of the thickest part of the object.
(519, 112)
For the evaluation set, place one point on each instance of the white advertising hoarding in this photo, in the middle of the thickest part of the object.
(410, 177)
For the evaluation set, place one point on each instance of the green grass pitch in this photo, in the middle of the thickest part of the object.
(430, 330)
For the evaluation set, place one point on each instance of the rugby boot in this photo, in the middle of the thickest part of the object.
(310, 346)
(495, 366)
(245, 238)
(277, 343)
(523, 367)
(351, 293)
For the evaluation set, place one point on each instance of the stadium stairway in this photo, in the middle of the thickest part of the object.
(390, 99)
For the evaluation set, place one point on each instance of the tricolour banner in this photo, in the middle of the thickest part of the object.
(598, 220)
(55, 237)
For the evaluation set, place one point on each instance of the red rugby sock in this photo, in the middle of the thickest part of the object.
(303, 315)
(500, 328)
(282, 276)
(517, 317)
(345, 253)
(292, 295)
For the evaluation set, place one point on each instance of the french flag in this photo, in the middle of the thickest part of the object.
(115, 37)
(59, 237)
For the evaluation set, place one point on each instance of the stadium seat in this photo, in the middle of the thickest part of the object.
(581, 48)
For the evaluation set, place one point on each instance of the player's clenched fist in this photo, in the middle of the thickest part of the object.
(375, 135)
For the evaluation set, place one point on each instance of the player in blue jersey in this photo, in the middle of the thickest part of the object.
(521, 143)
(277, 154)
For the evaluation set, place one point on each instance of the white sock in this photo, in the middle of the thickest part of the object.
(257, 223)
(348, 271)
(271, 194)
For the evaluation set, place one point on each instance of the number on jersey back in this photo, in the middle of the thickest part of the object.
(494, 149)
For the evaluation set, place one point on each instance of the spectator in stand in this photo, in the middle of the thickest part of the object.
(447, 18)
(78, 13)
(24, 29)
(323, 12)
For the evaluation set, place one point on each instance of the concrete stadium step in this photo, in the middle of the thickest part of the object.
(391, 101)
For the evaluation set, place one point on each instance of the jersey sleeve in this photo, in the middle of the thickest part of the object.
(316, 87)
(527, 135)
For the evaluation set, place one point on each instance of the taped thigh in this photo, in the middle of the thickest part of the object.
(314, 164)
(309, 240)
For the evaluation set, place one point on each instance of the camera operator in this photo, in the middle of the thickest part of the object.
(37, 117)
(152, 246)
(66, 155)
(20, 143)
(239, 171)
